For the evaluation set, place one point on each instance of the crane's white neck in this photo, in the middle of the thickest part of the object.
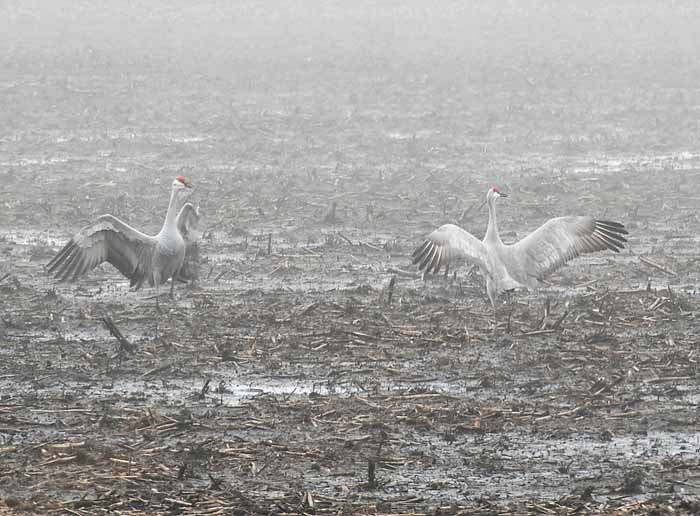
(492, 229)
(171, 216)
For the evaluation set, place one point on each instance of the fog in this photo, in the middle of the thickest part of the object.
(652, 37)
(636, 61)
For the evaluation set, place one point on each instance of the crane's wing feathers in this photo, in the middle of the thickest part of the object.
(108, 239)
(187, 221)
(447, 244)
(564, 238)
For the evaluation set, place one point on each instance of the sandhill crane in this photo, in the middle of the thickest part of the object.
(524, 263)
(137, 256)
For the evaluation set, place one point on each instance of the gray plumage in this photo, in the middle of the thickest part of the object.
(141, 258)
(187, 222)
(524, 263)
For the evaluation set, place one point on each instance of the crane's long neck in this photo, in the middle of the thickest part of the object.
(492, 229)
(171, 216)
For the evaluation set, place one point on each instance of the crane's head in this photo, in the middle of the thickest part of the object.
(181, 182)
(494, 193)
(182, 189)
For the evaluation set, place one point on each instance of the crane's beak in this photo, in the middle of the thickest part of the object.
(502, 194)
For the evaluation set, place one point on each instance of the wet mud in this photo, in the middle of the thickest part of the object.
(297, 381)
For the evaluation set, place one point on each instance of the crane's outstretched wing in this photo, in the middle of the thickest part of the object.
(562, 239)
(187, 220)
(447, 244)
(106, 240)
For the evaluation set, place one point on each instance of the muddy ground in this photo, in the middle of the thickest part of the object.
(291, 378)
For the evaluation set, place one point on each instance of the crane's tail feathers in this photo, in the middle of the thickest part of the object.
(610, 234)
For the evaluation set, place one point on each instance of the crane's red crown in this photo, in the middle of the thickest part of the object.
(182, 179)
(495, 189)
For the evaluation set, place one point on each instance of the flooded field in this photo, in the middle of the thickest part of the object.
(295, 377)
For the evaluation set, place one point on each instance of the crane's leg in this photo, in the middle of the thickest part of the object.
(156, 283)
(545, 316)
(495, 321)
(541, 323)
(173, 280)
(158, 312)
(157, 299)
(511, 305)
(492, 292)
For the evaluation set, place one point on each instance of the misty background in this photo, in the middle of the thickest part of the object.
(476, 91)
(638, 62)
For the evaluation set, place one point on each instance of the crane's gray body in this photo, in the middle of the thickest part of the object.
(168, 255)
